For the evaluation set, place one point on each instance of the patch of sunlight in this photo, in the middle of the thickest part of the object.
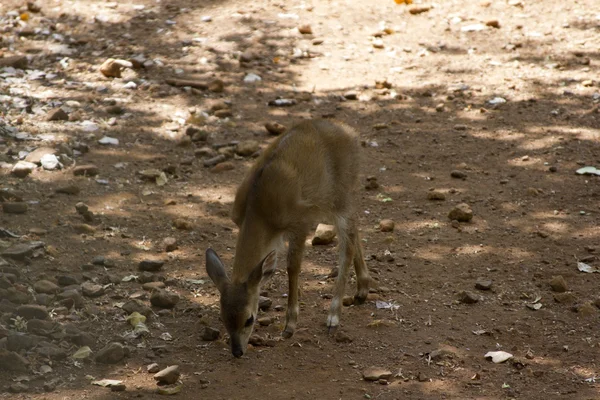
(434, 252)
(548, 215)
(530, 161)
(556, 227)
(538, 144)
(505, 136)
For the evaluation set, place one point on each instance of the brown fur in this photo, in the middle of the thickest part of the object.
(305, 176)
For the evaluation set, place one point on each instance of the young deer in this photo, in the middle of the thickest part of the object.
(305, 176)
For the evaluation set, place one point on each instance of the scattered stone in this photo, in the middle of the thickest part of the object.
(214, 160)
(342, 337)
(152, 368)
(376, 373)
(91, 289)
(347, 301)
(247, 148)
(12, 361)
(436, 195)
(558, 284)
(324, 235)
(150, 286)
(21, 251)
(168, 376)
(183, 224)
(32, 311)
(164, 299)
(351, 95)
(461, 213)
(467, 297)
(57, 114)
(111, 68)
(69, 189)
(386, 225)
(275, 128)
(494, 23)
(66, 280)
(372, 183)
(216, 86)
(85, 170)
(265, 321)
(264, 303)
(137, 306)
(50, 162)
(119, 387)
(23, 168)
(305, 29)
(483, 284)
(458, 175)
(170, 244)
(210, 334)
(151, 265)
(112, 353)
(84, 229)
(565, 298)
(18, 62)
(14, 208)
(51, 351)
(18, 387)
(587, 310)
(222, 167)
(36, 155)
(46, 287)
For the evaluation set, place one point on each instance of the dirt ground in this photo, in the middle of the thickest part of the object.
(494, 104)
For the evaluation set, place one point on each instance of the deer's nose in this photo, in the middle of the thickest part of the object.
(237, 352)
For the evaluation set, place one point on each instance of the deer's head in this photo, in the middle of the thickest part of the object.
(239, 299)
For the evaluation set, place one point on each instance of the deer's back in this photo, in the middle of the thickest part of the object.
(309, 171)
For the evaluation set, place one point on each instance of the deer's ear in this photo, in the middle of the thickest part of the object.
(216, 270)
(264, 270)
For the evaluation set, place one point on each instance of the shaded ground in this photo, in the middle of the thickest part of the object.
(533, 217)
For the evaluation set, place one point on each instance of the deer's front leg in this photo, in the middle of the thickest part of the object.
(294, 262)
(346, 256)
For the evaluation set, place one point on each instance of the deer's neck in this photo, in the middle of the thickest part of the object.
(255, 240)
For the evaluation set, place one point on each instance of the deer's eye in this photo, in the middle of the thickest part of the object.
(249, 321)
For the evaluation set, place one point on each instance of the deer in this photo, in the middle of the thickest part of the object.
(305, 176)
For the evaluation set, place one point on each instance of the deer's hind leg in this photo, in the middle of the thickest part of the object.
(294, 264)
(347, 234)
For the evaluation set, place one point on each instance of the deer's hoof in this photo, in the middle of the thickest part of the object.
(286, 334)
(359, 299)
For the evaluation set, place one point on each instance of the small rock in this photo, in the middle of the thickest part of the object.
(14, 208)
(150, 286)
(168, 376)
(222, 167)
(18, 387)
(137, 306)
(50, 162)
(461, 213)
(467, 297)
(12, 361)
(376, 373)
(351, 95)
(183, 224)
(36, 155)
(66, 280)
(30, 311)
(210, 334)
(305, 29)
(21, 251)
(45, 286)
(214, 160)
(91, 289)
(264, 303)
(372, 183)
(247, 148)
(85, 170)
(494, 23)
(57, 114)
(22, 169)
(483, 284)
(342, 337)
(386, 225)
(112, 353)
(69, 189)
(120, 387)
(169, 244)
(587, 310)
(18, 62)
(151, 265)
(565, 298)
(458, 174)
(164, 299)
(347, 301)
(84, 229)
(265, 321)
(558, 284)
(216, 86)
(152, 368)
(111, 68)
(436, 195)
(275, 128)
(324, 235)
(419, 9)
